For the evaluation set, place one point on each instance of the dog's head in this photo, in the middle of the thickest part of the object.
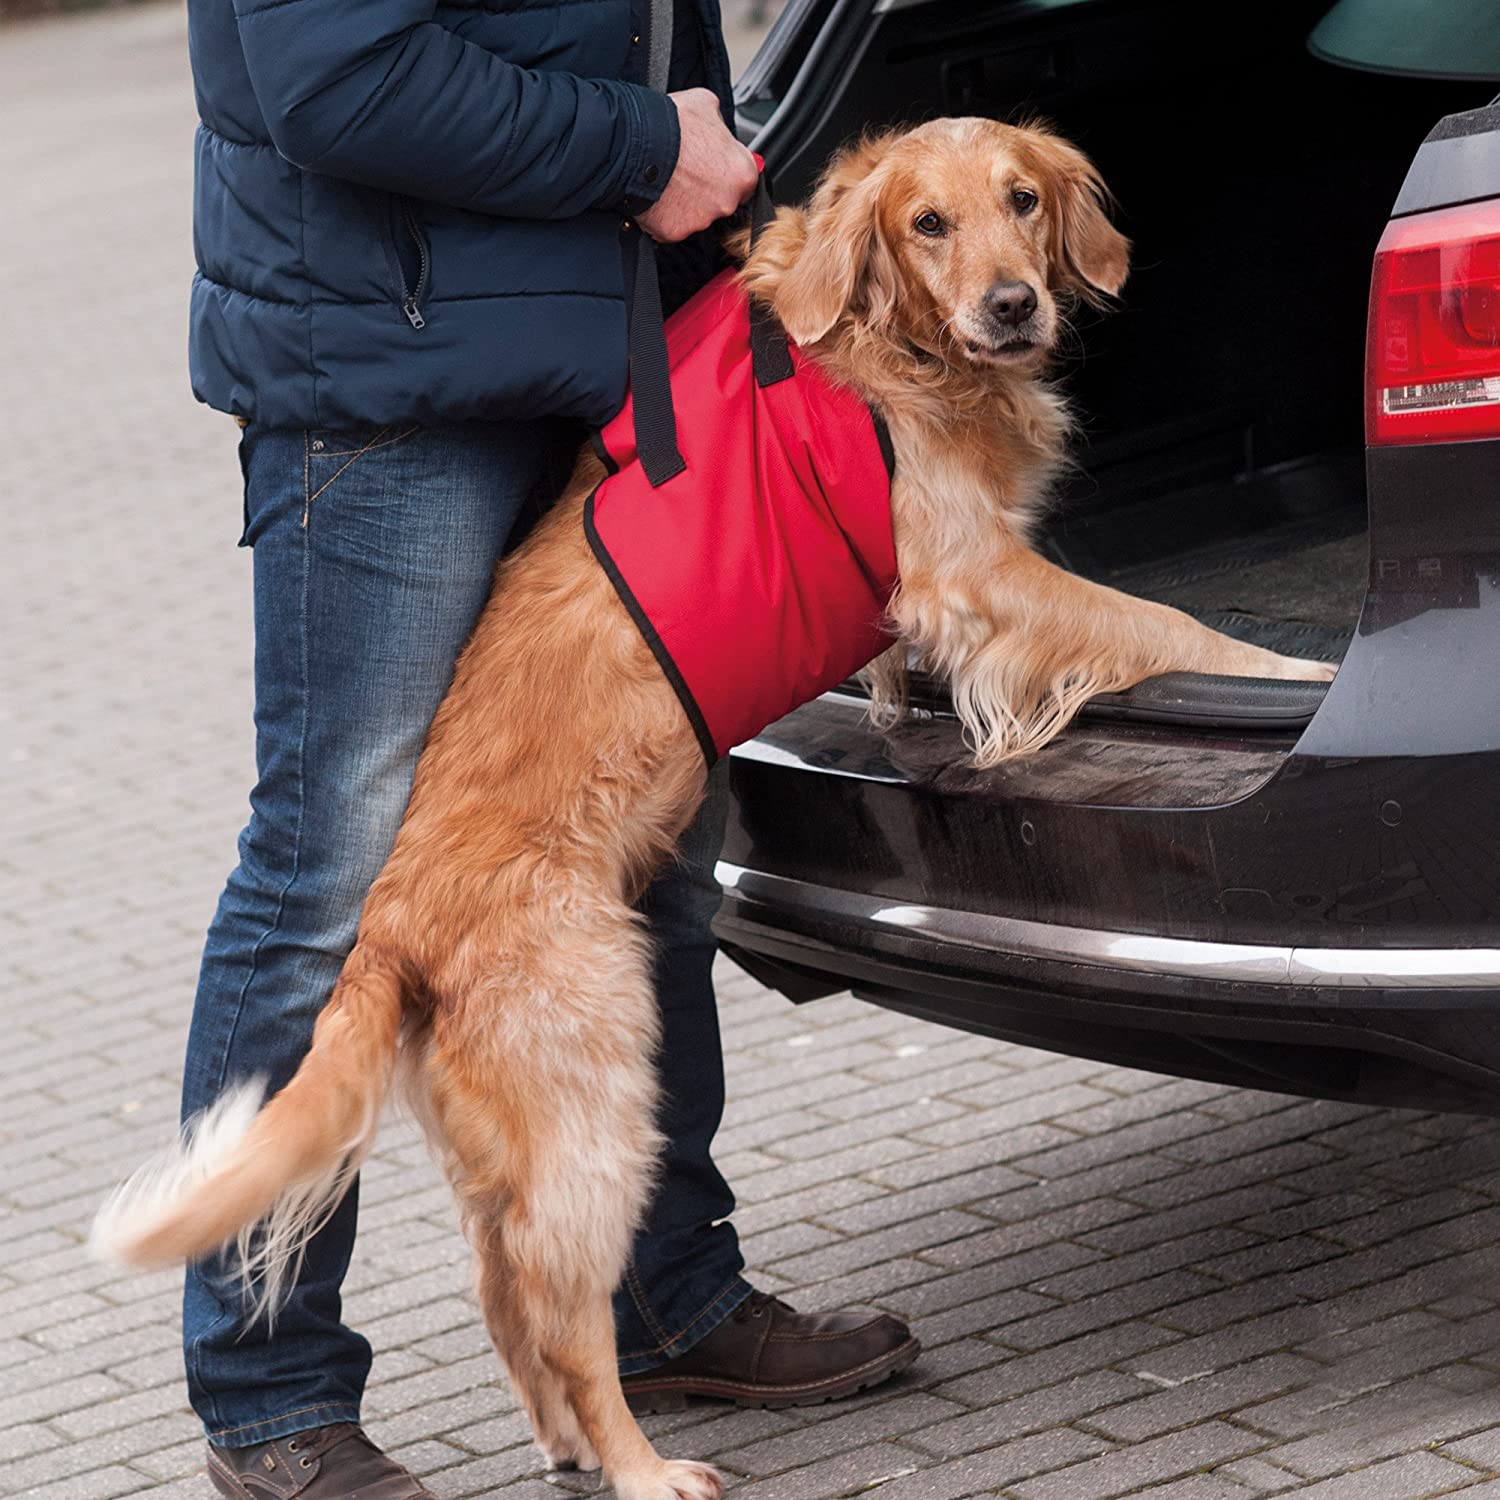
(963, 237)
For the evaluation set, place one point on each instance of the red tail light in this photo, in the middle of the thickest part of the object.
(1432, 364)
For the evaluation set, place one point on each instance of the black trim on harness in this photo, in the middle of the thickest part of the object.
(648, 634)
(601, 451)
(883, 437)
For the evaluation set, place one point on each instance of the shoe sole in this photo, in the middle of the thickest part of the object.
(674, 1395)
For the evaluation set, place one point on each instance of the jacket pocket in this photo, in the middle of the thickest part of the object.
(411, 258)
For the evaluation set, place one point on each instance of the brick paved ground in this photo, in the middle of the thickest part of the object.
(1126, 1283)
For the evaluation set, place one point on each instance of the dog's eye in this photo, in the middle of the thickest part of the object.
(1024, 201)
(930, 224)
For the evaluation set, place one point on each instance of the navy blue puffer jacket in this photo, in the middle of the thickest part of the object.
(411, 211)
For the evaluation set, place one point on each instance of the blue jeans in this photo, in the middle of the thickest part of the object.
(373, 553)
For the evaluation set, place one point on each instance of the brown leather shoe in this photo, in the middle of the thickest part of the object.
(765, 1354)
(337, 1462)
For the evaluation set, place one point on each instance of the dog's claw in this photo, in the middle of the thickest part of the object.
(1316, 671)
(692, 1481)
(1299, 669)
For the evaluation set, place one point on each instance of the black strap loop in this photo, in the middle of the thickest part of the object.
(650, 374)
(650, 380)
(770, 354)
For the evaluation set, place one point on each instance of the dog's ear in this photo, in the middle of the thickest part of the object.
(842, 262)
(1089, 255)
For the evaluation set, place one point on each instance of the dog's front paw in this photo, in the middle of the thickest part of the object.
(690, 1481)
(1298, 669)
(676, 1480)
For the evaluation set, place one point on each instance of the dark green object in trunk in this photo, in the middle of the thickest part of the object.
(1418, 38)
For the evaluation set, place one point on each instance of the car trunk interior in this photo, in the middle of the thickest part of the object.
(1220, 405)
(1222, 402)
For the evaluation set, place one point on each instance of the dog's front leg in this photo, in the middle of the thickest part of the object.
(1039, 642)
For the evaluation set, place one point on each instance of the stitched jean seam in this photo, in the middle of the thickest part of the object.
(347, 464)
(644, 1308)
(667, 1341)
(191, 1355)
(369, 447)
(301, 1411)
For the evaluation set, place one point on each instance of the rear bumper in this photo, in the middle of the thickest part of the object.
(1408, 1027)
(1317, 913)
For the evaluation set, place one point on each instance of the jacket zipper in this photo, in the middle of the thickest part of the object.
(411, 298)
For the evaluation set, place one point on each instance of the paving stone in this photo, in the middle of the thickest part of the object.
(846, 1255)
(428, 1457)
(1258, 1475)
(886, 1419)
(1410, 1477)
(1083, 1398)
(1196, 1400)
(921, 1166)
(135, 1442)
(1126, 1470)
(180, 1459)
(1112, 1348)
(96, 1484)
(25, 1438)
(724, 1434)
(1384, 1423)
(1482, 1449)
(483, 1475)
(882, 1209)
(38, 1402)
(987, 1472)
(1199, 1487)
(1134, 1300)
(1073, 1222)
(983, 1315)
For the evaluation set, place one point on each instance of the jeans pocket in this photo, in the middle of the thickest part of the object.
(354, 442)
(333, 451)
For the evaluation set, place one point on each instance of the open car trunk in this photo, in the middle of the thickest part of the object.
(1221, 460)
(1282, 562)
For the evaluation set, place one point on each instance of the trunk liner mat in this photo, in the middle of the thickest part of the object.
(1297, 591)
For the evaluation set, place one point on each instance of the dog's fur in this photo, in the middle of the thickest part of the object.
(499, 958)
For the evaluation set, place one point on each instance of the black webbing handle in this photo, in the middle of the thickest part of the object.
(650, 381)
(650, 373)
(770, 355)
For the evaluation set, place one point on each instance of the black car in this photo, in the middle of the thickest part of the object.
(1283, 885)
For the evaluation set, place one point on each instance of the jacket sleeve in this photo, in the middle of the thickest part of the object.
(376, 92)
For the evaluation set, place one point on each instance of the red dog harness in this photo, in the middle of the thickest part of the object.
(759, 564)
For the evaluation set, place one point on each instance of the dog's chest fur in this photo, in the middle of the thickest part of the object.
(970, 486)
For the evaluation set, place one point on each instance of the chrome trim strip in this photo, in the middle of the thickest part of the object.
(1178, 958)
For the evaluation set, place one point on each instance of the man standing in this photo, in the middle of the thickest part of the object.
(408, 223)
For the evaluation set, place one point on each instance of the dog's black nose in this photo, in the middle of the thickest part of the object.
(1010, 303)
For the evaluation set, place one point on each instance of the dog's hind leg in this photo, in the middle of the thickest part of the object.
(543, 1082)
(539, 1387)
(583, 1351)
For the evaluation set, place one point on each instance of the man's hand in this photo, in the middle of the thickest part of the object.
(713, 176)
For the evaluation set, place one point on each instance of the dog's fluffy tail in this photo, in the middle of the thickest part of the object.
(268, 1179)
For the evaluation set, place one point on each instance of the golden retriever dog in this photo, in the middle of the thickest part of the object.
(499, 962)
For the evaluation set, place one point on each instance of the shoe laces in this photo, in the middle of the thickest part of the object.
(758, 1305)
(320, 1440)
